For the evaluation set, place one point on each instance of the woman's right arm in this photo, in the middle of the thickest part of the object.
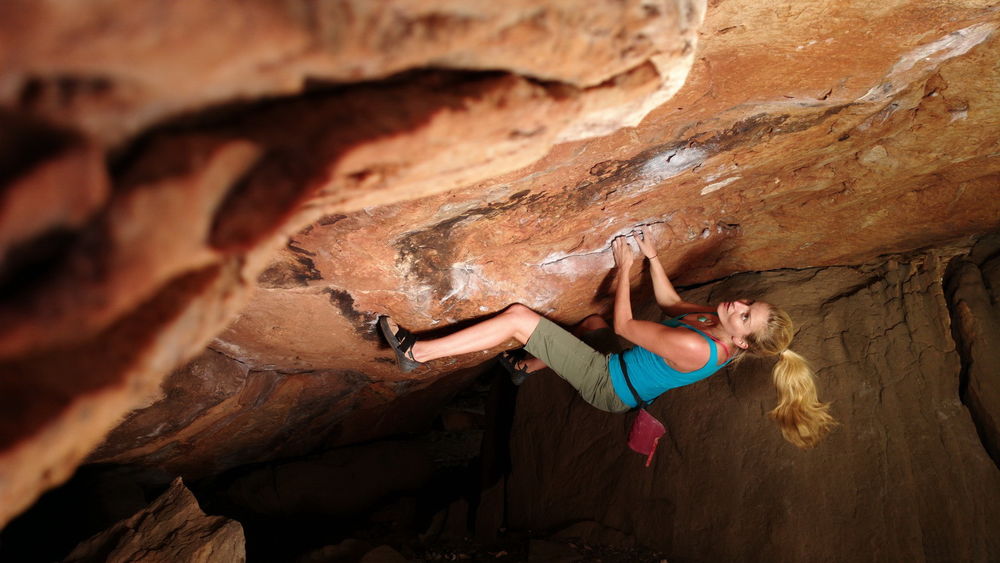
(666, 296)
(682, 348)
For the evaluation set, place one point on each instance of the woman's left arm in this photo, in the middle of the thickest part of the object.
(666, 296)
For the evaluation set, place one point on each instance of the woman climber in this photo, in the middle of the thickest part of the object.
(691, 345)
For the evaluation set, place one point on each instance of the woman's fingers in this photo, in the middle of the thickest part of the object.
(621, 250)
(646, 245)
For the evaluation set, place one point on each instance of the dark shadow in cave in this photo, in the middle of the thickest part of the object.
(970, 296)
(447, 512)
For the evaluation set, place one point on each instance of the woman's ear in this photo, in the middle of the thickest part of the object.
(741, 343)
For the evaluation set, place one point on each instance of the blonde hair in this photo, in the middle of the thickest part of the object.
(800, 415)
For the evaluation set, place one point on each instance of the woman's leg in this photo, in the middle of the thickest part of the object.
(517, 322)
(532, 364)
(576, 361)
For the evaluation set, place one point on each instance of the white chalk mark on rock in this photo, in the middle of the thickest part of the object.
(717, 185)
(664, 166)
(590, 262)
(467, 281)
(952, 45)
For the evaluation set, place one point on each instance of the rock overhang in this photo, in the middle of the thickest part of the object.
(310, 215)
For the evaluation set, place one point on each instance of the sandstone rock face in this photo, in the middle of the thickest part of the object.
(173, 528)
(904, 476)
(154, 158)
(271, 196)
(139, 66)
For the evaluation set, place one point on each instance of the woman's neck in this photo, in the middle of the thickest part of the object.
(722, 336)
(710, 325)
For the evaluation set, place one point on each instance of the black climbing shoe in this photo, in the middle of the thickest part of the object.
(401, 341)
(517, 373)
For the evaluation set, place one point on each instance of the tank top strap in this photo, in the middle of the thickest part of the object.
(713, 355)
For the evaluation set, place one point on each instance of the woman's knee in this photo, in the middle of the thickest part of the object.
(523, 320)
(519, 312)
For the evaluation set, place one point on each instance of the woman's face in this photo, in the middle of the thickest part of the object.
(743, 317)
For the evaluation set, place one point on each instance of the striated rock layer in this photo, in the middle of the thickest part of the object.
(739, 177)
(267, 179)
(153, 61)
(154, 158)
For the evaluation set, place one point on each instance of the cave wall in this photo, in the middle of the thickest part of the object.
(972, 286)
(903, 477)
(265, 179)
(154, 158)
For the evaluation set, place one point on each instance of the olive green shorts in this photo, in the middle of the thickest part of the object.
(583, 366)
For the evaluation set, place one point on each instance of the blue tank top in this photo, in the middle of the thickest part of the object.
(651, 375)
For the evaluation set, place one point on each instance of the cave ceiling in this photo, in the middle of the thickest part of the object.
(206, 206)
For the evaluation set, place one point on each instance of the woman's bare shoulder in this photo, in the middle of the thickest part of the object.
(683, 348)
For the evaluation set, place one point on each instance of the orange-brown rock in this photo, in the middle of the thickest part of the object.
(267, 179)
(113, 72)
(280, 127)
(791, 183)
(172, 528)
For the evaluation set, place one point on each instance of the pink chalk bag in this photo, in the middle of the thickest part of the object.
(646, 430)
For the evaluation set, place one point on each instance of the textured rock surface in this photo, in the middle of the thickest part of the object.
(431, 174)
(228, 128)
(742, 177)
(153, 61)
(972, 287)
(173, 528)
(904, 477)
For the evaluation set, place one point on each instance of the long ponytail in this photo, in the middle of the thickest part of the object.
(800, 415)
(802, 418)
